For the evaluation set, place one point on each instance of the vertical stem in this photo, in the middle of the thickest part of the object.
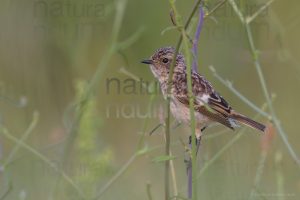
(196, 39)
(267, 96)
(167, 151)
(254, 52)
(192, 117)
(189, 174)
(148, 187)
(167, 121)
(174, 180)
(259, 172)
(279, 176)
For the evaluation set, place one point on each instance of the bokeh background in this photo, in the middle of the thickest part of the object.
(50, 51)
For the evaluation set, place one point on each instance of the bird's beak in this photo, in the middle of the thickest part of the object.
(149, 62)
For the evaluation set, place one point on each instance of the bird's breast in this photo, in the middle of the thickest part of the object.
(181, 113)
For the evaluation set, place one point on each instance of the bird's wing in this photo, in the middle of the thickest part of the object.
(207, 111)
(219, 104)
(205, 93)
(215, 116)
(207, 101)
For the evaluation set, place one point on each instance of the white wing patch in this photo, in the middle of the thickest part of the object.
(205, 97)
(233, 123)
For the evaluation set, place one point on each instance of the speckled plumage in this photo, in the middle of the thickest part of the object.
(208, 104)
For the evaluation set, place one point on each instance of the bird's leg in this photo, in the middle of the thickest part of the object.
(198, 142)
(187, 155)
(187, 159)
(198, 137)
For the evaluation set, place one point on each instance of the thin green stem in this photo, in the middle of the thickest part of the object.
(227, 146)
(267, 96)
(150, 104)
(192, 117)
(259, 172)
(116, 176)
(279, 175)
(238, 94)
(219, 4)
(148, 188)
(257, 13)
(258, 67)
(52, 165)
(103, 64)
(27, 132)
(6, 193)
(237, 11)
(140, 149)
(90, 89)
(168, 118)
(167, 152)
(222, 150)
(173, 175)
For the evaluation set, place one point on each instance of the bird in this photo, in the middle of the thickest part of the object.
(209, 106)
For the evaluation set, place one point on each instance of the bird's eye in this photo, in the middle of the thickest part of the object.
(165, 60)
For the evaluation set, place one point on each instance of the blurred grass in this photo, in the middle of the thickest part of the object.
(42, 58)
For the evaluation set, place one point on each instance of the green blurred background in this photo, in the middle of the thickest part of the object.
(49, 50)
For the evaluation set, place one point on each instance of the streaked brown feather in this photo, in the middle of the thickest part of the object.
(247, 121)
(207, 101)
(215, 117)
(219, 104)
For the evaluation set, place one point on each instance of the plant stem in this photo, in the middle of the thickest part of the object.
(139, 149)
(258, 67)
(238, 94)
(168, 118)
(279, 175)
(192, 121)
(259, 172)
(196, 39)
(116, 176)
(225, 147)
(9, 136)
(23, 138)
(148, 187)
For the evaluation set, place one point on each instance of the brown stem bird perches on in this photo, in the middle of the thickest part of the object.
(209, 106)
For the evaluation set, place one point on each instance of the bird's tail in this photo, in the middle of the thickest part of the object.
(247, 121)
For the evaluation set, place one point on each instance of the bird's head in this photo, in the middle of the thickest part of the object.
(160, 62)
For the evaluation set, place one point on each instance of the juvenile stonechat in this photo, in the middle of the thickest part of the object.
(209, 106)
